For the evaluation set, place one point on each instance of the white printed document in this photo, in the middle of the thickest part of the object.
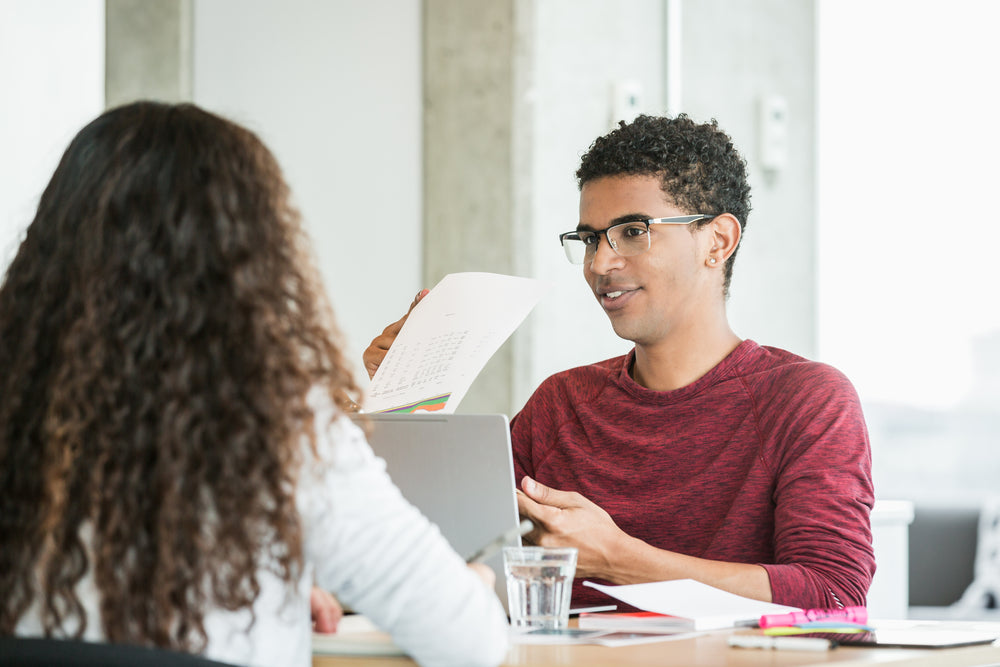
(448, 338)
(700, 606)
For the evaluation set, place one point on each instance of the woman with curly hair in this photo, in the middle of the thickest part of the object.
(176, 467)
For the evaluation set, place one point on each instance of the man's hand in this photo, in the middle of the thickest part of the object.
(567, 519)
(380, 345)
(326, 611)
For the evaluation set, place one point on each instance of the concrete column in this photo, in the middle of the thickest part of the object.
(148, 50)
(476, 157)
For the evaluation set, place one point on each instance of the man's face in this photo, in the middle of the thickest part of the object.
(661, 291)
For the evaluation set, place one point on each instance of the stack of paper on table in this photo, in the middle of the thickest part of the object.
(693, 605)
(355, 635)
(600, 637)
(635, 621)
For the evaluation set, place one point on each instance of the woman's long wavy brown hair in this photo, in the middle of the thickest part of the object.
(160, 328)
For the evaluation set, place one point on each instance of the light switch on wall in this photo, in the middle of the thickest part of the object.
(626, 101)
(773, 135)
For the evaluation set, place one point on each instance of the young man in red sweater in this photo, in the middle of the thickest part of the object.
(697, 455)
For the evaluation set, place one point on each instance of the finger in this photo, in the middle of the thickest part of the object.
(325, 610)
(528, 508)
(375, 353)
(390, 332)
(379, 347)
(544, 495)
(372, 357)
(420, 295)
(540, 515)
(534, 536)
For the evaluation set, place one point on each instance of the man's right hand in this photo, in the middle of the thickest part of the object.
(380, 345)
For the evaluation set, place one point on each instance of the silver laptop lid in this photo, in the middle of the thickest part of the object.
(458, 471)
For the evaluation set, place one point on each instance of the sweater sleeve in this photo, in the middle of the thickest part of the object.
(823, 494)
(383, 558)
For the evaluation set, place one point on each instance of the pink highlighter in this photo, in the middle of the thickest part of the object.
(847, 615)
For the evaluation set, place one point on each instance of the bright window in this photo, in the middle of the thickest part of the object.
(909, 168)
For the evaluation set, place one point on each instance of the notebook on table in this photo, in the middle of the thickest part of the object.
(458, 471)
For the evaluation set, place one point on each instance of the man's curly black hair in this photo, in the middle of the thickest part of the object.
(700, 169)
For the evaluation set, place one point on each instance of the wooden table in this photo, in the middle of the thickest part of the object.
(709, 650)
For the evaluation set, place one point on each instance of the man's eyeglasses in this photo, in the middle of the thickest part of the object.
(626, 238)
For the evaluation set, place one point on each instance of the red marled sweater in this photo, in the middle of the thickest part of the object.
(763, 460)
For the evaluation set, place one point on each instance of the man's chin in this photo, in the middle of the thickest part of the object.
(621, 329)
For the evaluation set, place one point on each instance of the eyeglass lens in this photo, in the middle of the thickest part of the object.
(626, 239)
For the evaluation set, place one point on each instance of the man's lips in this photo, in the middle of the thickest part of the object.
(616, 297)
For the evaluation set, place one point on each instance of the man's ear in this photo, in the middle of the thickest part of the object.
(725, 235)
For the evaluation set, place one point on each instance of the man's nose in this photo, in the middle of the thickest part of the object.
(605, 258)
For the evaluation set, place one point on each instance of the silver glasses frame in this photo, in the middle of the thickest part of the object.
(575, 236)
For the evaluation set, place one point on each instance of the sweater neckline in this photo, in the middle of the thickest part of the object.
(719, 372)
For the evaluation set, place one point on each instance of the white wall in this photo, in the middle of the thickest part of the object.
(582, 50)
(334, 89)
(51, 85)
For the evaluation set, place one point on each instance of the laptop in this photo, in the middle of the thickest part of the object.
(458, 471)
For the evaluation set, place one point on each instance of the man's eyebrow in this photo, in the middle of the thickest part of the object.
(628, 217)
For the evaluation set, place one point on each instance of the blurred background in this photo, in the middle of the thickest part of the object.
(425, 138)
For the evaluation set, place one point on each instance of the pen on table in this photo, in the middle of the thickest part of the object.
(592, 610)
(492, 547)
(781, 643)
